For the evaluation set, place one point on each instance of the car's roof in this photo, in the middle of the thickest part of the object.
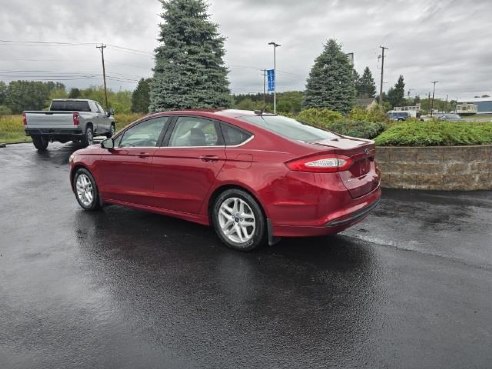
(72, 100)
(229, 113)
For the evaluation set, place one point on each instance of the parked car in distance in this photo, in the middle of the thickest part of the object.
(255, 177)
(398, 115)
(450, 117)
(66, 120)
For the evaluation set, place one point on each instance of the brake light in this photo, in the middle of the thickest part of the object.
(76, 118)
(329, 163)
(24, 119)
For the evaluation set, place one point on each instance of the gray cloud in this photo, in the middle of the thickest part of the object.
(447, 40)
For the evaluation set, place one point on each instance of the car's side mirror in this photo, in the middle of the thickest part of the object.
(108, 144)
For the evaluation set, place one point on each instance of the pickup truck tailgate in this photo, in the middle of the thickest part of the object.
(49, 119)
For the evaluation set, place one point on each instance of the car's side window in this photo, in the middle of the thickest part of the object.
(194, 131)
(145, 134)
(234, 136)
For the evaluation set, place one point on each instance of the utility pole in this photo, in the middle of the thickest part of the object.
(382, 75)
(275, 45)
(264, 87)
(433, 94)
(102, 47)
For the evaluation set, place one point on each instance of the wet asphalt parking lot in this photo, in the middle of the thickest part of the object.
(410, 287)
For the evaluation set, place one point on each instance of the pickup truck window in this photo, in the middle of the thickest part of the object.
(67, 105)
(100, 108)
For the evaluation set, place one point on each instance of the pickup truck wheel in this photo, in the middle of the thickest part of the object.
(111, 132)
(88, 137)
(85, 189)
(40, 142)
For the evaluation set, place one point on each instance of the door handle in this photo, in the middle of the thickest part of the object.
(209, 158)
(144, 155)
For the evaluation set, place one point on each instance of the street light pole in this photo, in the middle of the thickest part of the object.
(433, 93)
(382, 75)
(275, 45)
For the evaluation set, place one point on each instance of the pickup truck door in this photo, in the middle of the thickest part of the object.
(103, 120)
(125, 173)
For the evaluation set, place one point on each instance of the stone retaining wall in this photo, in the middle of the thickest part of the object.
(436, 167)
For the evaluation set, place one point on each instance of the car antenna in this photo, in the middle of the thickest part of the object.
(261, 111)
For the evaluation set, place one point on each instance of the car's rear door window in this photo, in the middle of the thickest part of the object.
(195, 132)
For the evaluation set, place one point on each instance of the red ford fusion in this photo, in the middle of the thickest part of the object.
(254, 177)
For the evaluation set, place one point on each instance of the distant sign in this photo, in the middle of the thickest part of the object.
(271, 79)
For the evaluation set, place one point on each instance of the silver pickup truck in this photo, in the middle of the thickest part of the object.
(77, 120)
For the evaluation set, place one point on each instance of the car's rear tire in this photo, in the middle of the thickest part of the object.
(112, 131)
(85, 189)
(40, 142)
(88, 136)
(238, 220)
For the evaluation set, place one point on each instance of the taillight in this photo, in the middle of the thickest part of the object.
(76, 118)
(24, 119)
(329, 163)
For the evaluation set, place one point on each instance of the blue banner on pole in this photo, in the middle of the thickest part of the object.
(271, 79)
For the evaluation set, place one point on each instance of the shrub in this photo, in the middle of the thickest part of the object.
(436, 134)
(372, 114)
(319, 117)
(358, 129)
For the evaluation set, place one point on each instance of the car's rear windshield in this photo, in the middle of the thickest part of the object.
(289, 128)
(66, 105)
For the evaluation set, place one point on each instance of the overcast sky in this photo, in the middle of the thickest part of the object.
(449, 41)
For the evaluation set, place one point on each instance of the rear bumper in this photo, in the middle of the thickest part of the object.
(53, 132)
(353, 212)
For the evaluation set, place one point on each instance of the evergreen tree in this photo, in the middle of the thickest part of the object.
(366, 87)
(189, 70)
(141, 97)
(330, 83)
(396, 94)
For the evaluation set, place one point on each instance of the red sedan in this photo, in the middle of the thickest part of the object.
(254, 176)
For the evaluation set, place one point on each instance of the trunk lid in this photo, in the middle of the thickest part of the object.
(363, 176)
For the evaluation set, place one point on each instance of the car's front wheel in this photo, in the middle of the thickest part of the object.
(86, 190)
(238, 220)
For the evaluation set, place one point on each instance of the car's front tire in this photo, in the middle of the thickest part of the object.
(85, 189)
(238, 220)
(40, 142)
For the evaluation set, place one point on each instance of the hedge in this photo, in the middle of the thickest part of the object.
(436, 134)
